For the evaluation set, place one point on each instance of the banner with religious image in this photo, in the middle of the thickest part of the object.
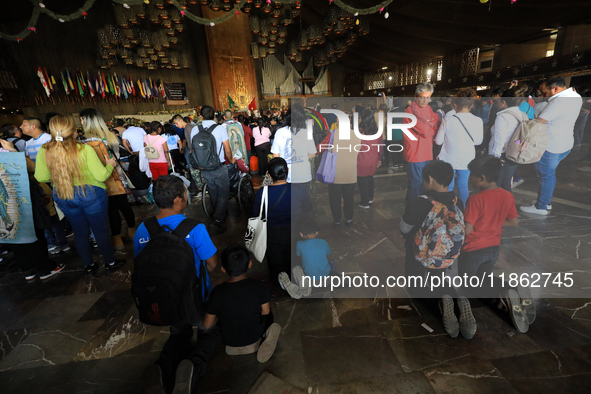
(16, 213)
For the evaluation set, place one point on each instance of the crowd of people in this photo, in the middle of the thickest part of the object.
(89, 175)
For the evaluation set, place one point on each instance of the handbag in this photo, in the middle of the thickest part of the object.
(255, 238)
(469, 135)
(328, 165)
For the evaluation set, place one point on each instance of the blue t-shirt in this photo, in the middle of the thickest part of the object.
(198, 238)
(314, 252)
(527, 109)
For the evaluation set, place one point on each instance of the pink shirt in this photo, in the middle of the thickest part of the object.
(261, 135)
(158, 142)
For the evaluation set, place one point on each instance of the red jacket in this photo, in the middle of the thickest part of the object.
(367, 162)
(427, 125)
(247, 136)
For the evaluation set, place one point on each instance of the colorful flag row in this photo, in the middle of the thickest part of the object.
(100, 85)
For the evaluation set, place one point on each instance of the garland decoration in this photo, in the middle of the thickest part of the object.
(363, 11)
(39, 8)
(205, 21)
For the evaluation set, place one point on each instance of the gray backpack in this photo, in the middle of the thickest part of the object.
(529, 141)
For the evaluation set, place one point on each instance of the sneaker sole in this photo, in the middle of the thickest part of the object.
(289, 287)
(450, 321)
(527, 303)
(183, 377)
(268, 346)
(518, 317)
(298, 272)
(467, 321)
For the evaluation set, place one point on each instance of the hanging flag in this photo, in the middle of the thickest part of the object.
(70, 83)
(79, 85)
(252, 106)
(54, 84)
(102, 81)
(90, 87)
(104, 85)
(43, 81)
(155, 89)
(139, 85)
(65, 83)
(47, 79)
(162, 91)
(147, 89)
(231, 102)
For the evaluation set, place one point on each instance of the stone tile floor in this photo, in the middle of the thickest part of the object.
(80, 334)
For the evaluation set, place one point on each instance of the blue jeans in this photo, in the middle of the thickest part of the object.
(546, 169)
(57, 235)
(414, 173)
(462, 182)
(86, 212)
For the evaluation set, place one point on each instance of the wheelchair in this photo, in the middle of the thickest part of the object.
(241, 189)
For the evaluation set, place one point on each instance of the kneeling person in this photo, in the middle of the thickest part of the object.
(241, 305)
(180, 362)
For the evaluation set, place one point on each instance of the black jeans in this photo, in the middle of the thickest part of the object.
(263, 151)
(218, 185)
(393, 158)
(507, 172)
(341, 198)
(177, 160)
(413, 267)
(119, 203)
(33, 257)
(478, 263)
(278, 252)
(178, 347)
(366, 188)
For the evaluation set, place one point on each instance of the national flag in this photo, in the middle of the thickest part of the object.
(43, 81)
(162, 91)
(105, 86)
(147, 88)
(65, 83)
(55, 85)
(155, 89)
(80, 89)
(70, 83)
(252, 106)
(139, 85)
(231, 102)
(46, 75)
(90, 87)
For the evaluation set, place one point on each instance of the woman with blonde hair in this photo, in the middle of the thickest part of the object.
(78, 177)
(105, 143)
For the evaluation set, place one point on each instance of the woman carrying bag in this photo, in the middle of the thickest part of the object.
(106, 143)
(284, 204)
(78, 177)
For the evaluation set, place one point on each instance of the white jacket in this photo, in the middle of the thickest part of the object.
(144, 165)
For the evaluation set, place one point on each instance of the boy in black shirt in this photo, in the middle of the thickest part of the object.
(241, 305)
(437, 175)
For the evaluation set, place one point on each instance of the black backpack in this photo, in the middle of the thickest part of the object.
(164, 282)
(205, 156)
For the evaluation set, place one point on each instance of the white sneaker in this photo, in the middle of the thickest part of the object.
(268, 346)
(298, 274)
(548, 207)
(293, 290)
(534, 210)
